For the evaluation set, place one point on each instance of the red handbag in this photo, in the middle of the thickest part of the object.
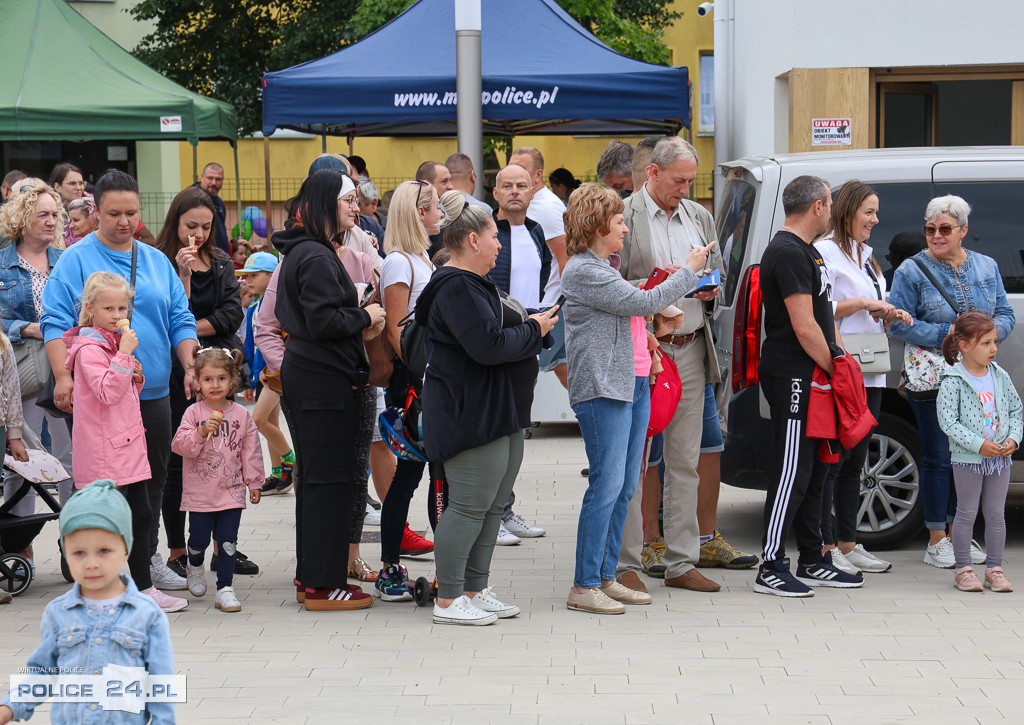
(666, 393)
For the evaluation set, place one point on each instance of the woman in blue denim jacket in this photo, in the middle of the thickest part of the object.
(974, 282)
(32, 220)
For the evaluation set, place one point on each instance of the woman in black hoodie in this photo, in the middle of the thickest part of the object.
(324, 377)
(208, 276)
(477, 393)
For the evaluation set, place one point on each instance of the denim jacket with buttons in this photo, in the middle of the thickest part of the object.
(16, 306)
(79, 637)
(975, 285)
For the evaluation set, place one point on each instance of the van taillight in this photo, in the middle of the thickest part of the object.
(746, 337)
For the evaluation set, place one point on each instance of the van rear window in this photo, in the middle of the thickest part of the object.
(734, 218)
(997, 216)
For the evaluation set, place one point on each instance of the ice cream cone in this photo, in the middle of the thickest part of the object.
(123, 325)
(219, 416)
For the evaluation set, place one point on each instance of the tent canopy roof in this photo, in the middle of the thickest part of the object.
(106, 93)
(542, 73)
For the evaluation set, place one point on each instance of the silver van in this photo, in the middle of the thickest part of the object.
(991, 179)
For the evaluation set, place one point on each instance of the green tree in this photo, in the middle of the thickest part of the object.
(222, 48)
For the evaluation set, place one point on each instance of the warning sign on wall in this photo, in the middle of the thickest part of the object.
(831, 132)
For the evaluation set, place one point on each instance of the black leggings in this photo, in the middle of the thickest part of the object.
(174, 517)
(137, 496)
(394, 511)
(156, 417)
(842, 485)
(201, 528)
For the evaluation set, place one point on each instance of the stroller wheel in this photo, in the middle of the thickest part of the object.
(15, 573)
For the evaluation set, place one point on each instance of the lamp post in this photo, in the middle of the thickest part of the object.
(468, 85)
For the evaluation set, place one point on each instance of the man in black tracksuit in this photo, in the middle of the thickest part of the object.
(800, 332)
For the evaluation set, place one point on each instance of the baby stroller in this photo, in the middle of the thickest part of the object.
(17, 532)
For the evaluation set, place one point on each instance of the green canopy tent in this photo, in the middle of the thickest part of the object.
(106, 93)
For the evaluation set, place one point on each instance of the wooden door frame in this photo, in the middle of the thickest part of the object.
(924, 89)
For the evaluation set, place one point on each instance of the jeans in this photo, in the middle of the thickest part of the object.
(614, 433)
(201, 525)
(938, 496)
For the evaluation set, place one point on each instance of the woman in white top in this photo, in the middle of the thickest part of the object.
(413, 214)
(858, 301)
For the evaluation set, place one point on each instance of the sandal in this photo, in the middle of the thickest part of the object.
(359, 569)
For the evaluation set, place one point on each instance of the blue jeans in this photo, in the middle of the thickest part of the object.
(938, 496)
(614, 433)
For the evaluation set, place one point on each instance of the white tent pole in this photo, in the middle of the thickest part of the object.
(468, 85)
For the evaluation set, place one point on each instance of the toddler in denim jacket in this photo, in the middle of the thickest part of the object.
(103, 620)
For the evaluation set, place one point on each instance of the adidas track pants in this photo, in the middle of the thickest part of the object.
(793, 500)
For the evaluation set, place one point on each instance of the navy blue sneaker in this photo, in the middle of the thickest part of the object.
(773, 577)
(392, 584)
(825, 574)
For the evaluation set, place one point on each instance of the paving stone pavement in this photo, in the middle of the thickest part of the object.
(907, 647)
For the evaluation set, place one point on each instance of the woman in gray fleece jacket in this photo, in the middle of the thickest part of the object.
(609, 365)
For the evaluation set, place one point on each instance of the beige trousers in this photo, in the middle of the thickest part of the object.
(682, 451)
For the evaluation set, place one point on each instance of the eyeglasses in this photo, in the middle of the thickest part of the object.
(942, 230)
(419, 190)
(26, 187)
(350, 200)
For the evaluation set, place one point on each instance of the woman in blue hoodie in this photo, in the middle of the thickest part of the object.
(160, 318)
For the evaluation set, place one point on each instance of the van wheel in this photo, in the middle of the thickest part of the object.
(890, 502)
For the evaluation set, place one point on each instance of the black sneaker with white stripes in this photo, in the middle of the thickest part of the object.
(773, 577)
(824, 574)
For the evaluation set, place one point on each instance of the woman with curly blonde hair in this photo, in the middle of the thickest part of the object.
(33, 219)
(609, 364)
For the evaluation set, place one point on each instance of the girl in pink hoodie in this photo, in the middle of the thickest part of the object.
(108, 439)
(221, 458)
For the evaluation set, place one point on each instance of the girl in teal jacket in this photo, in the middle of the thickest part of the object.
(980, 411)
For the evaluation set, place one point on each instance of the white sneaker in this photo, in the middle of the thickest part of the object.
(516, 524)
(196, 577)
(840, 562)
(463, 611)
(866, 561)
(164, 578)
(978, 555)
(372, 516)
(165, 601)
(485, 601)
(226, 601)
(505, 537)
(940, 554)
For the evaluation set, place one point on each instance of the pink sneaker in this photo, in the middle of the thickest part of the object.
(165, 601)
(996, 580)
(967, 581)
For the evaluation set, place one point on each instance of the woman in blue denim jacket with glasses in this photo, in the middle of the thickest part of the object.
(974, 282)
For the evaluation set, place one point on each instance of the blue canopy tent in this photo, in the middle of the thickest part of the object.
(542, 74)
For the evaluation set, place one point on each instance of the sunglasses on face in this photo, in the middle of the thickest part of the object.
(943, 230)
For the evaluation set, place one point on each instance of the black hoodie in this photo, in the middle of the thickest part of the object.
(481, 364)
(317, 305)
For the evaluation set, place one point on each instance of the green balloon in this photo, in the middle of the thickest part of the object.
(234, 232)
(247, 229)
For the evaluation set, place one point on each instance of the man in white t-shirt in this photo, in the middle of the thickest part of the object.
(522, 270)
(547, 210)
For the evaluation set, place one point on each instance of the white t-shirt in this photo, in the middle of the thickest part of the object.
(396, 269)
(548, 210)
(850, 279)
(524, 283)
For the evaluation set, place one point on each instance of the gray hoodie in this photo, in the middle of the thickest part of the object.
(598, 339)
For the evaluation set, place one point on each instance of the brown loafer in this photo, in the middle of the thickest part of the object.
(694, 581)
(631, 580)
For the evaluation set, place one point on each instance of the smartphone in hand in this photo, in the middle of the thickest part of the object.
(658, 275)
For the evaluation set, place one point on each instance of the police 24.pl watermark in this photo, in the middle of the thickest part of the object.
(128, 689)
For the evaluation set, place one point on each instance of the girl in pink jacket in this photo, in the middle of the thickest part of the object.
(221, 458)
(108, 439)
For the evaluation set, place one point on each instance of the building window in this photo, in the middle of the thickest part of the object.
(706, 110)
